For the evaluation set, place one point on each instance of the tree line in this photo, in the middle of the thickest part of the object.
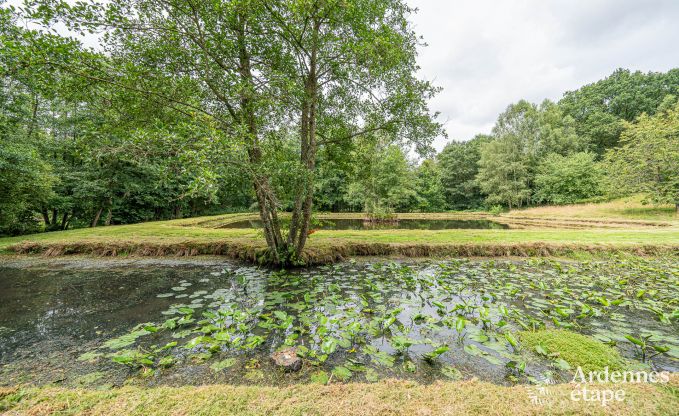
(191, 108)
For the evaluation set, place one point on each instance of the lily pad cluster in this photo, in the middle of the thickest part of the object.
(449, 319)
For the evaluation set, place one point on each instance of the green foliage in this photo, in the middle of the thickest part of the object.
(567, 179)
(385, 180)
(522, 137)
(429, 188)
(647, 161)
(459, 165)
(600, 109)
(503, 173)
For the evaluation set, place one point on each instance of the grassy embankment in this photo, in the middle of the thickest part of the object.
(383, 398)
(592, 228)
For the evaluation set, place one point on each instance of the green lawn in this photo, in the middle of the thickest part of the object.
(200, 231)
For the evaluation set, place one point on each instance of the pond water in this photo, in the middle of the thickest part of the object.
(405, 224)
(198, 322)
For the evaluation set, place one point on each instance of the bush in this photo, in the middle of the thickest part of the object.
(564, 180)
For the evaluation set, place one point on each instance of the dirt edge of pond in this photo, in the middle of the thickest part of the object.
(391, 397)
(327, 254)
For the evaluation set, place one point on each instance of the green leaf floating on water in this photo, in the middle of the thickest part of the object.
(125, 340)
(341, 373)
(166, 361)
(451, 372)
(223, 364)
(512, 340)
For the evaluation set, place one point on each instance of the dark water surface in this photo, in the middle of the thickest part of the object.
(66, 322)
(404, 224)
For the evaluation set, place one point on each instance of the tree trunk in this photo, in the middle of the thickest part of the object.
(95, 220)
(304, 202)
(34, 117)
(676, 208)
(46, 217)
(265, 198)
(54, 216)
(64, 221)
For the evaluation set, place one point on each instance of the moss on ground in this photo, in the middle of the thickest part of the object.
(384, 398)
(575, 349)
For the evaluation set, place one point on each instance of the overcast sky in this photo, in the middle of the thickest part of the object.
(487, 54)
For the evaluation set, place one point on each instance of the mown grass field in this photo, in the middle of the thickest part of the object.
(615, 225)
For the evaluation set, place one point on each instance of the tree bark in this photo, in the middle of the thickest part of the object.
(95, 220)
(305, 198)
(109, 213)
(46, 217)
(64, 221)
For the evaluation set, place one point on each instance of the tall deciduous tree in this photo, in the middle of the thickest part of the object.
(647, 161)
(345, 68)
(601, 108)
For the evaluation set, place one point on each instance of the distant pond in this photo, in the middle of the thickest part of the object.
(403, 224)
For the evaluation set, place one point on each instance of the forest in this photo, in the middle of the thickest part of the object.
(176, 116)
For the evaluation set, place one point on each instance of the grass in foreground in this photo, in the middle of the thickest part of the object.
(384, 398)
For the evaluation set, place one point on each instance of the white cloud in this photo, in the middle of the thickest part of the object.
(487, 54)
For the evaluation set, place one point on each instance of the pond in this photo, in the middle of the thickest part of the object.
(195, 322)
(405, 224)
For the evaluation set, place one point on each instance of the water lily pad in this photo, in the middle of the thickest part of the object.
(223, 364)
(341, 373)
(451, 372)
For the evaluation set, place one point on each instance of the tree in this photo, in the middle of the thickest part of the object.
(237, 68)
(428, 187)
(384, 181)
(525, 135)
(567, 179)
(112, 155)
(459, 164)
(503, 172)
(647, 161)
(601, 108)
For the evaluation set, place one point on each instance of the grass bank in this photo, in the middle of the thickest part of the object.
(383, 398)
(629, 209)
(204, 236)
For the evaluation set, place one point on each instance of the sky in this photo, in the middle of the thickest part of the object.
(487, 54)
